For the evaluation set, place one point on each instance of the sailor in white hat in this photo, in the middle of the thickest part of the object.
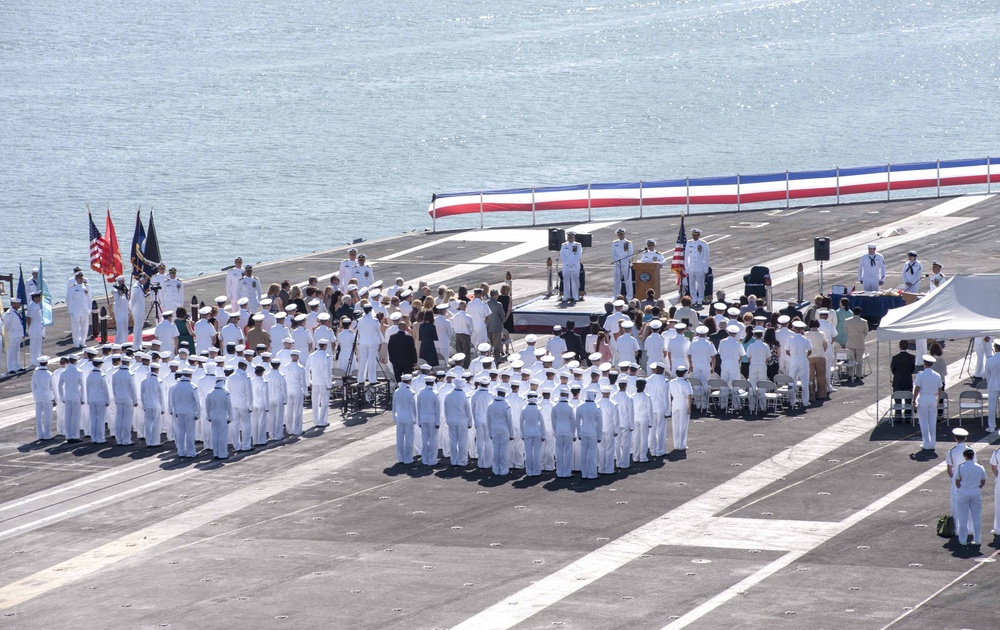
(607, 448)
(622, 252)
(233, 280)
(172, 290)
(650, 255)
(348, 266)
(913, 271)
(404, 414)
(681, 401)
(458, 416)
(528, 354)
(297, 382)
(564, 429)
(937, 278)
(250, 289)
(570, 255)
(657, 387)
(590, 426)
(678, 346)
(927, 388)
(626, 346)
(653, 346)
(319, 372)
(758, 353)
(797, 349)
(871, 269)
(480, 443)
(696, 264)
(952, 460)
(500, 426)
(364, 273)
(626, 420)
(183, 404)
(120, 307)
(44, 394)
(78, 304)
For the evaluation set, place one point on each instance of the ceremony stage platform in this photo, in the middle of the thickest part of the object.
(542, 313)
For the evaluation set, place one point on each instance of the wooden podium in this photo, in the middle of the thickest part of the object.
(647, 276)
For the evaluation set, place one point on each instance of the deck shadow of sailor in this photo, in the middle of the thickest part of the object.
(415, 470)
(965, 552)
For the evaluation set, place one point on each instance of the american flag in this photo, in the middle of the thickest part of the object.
(677, 264)
(97, 245)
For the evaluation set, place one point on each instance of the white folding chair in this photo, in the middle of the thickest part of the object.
(901, 404)
(768, 396)
(971, 401)
(744, 398)
(715, 388)
(785, 387)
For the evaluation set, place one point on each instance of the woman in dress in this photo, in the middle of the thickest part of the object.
(185, 335)
(505, 302)
(428, 336)
(842, 314)
(772, 361)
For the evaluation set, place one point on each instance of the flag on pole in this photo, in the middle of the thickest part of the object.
(111, 256)
(151, 249)
(138, 242)
(46, 296)
(677, 264)
(22, 294)
(96, 246)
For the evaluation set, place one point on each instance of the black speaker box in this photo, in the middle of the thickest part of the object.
(821, 248)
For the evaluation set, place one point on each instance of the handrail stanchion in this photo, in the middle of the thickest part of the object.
(788, 193)
(434, 212)
(838, 185)
(888, 182)
(737, 192)
(988, 179)
(640, 192)
(939, 178)
(687, 193)
(588, 201)
(480, 209)
(532, 206)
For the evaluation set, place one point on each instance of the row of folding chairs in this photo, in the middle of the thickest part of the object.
(971, 402)
(762, 397)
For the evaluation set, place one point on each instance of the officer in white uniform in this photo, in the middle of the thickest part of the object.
(534, 433)
(78, 304)
(297, 382)
(137, 307)
(404, 414)
(348, 267)
(953, 459)
(126, 402)
(219, 409)
(319, 368)
(369, 340)
(650, 255)
(937, 278)
(44, 395)
(696, 264)
(995, 466)
(363, 273)
(120, 300)
(731, 353)
(590, 427)
(681, 399)
(927, 385)
(182, 404)
(429, 419)
(912, 272)
(36, 331)
(797, 349)
(241, 393)
(970, 479)
(871, 270)
(277, 398)
(458, 416)
(233, 280)
(98, 401)
(13, 332)
(622, 251)
(570, 254)
(172, 291)
(72, 394)
(153, 406)
(249, 288)
(991, 372)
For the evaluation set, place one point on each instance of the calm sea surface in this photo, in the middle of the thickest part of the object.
(279, 128)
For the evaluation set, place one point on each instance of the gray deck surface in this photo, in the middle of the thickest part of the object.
(765, 523)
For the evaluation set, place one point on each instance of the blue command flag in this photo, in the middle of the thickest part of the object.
(22, 294)
(46, 297)
(138, 242)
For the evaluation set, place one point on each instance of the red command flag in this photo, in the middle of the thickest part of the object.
(677, 264)
(111, 256)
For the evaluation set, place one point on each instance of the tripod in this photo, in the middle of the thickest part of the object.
(347, 374)
(154, 308)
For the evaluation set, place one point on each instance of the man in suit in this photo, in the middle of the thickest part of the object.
(401, 348)
(494, 325)
(574, 343)
(857, 330)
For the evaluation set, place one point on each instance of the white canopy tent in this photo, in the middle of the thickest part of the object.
(964, 307)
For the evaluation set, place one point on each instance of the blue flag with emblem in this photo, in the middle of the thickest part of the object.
(138, 243)
(22, 294)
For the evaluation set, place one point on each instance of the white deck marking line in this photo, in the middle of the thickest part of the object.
(142, 540)
(76, 484)
(545, 592)
(944, 588)
(849, 244)
(801, 550)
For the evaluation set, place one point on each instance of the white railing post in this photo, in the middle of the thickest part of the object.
(640, 195)
(737, 192)
(788, 191)
(838, 185)
(687, 186)
(988, 180)
(588, 201)
(480, 209)
(532, 206)
(434, 212)
(888, 182)
(939, 178)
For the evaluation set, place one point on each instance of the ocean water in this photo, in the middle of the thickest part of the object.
(269, 129)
